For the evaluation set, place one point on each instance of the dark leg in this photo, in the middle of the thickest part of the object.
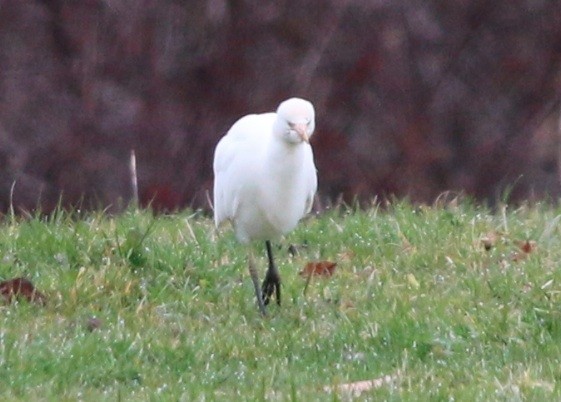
(272, 281)
(255, 280)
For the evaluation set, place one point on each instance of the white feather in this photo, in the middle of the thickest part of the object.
(264, 173)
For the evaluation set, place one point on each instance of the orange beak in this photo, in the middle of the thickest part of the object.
(301, 129)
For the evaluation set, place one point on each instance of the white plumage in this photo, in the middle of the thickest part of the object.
(265, 179)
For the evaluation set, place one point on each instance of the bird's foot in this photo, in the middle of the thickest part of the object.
(255, 280)
(271, 284)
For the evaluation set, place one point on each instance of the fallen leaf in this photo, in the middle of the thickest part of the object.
(489, 240)
(358, 387)
(412, 281)
(93, 323)
(319, 268)
(21, 288)
(527, 246)
(347, 304)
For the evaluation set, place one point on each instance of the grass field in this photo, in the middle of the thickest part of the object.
(448, 302)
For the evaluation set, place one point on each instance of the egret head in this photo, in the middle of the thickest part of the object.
(295, 120)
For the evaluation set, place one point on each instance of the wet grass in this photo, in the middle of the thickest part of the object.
(145, 307)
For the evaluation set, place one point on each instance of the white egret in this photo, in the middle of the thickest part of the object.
(265, 181)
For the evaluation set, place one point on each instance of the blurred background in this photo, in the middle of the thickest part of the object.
(413, 97)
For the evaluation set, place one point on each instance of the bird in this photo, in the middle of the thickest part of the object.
(265, 181)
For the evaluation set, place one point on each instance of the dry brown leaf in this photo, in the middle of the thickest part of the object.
(489, 240)
(21, 288)
(347, 304)
(319, 268)
(527, 246)
(93, 323)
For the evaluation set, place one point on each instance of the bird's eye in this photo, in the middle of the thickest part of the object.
(291, 125)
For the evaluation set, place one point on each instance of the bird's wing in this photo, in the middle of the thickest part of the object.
(235, 162)
(311, 180)
(223, 157)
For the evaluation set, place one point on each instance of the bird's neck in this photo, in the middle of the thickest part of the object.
(283, 158)
(280, 149)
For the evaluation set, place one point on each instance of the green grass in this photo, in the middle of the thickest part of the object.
(415, 295)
